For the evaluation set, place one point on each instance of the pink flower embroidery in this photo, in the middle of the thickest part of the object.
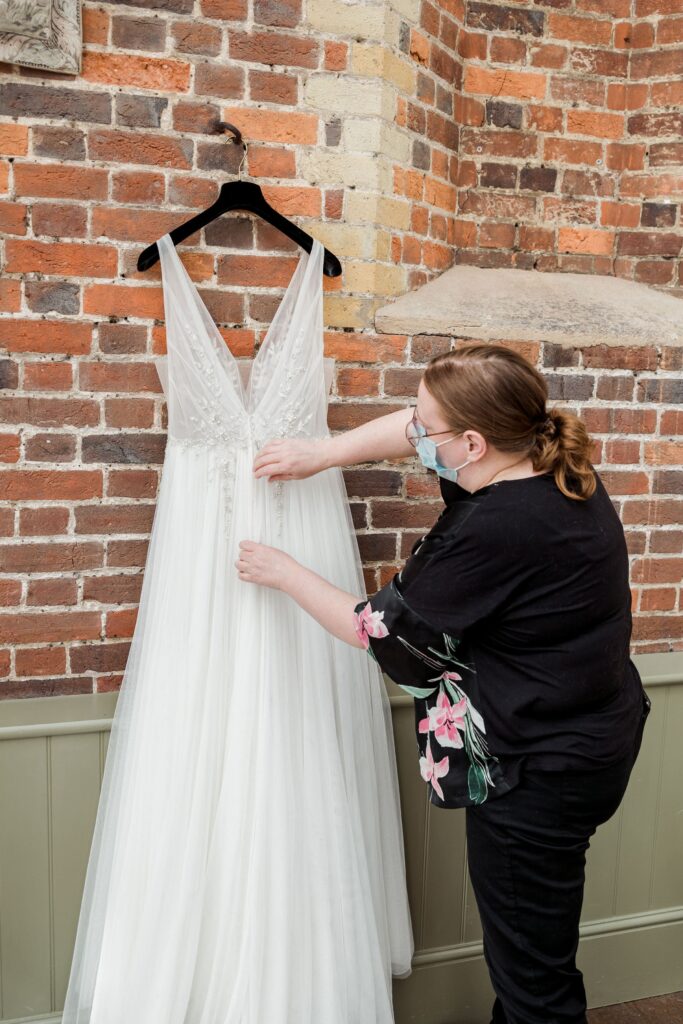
(445, 720)
(431, 771)
(369, 623)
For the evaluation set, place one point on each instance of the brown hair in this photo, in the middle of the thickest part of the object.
(494, 390)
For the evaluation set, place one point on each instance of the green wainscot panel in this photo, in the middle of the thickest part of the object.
(52, 755)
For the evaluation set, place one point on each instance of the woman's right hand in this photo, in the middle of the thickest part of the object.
(292, 458)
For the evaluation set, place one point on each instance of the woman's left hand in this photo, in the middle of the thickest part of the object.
(259, 563)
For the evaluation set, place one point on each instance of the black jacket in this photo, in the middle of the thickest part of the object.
(510, 624)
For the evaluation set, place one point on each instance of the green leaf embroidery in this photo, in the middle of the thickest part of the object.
(476, 784)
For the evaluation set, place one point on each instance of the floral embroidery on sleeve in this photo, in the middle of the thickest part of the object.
(452, 722)
(452, 716)
(432, 771)
(369, 623)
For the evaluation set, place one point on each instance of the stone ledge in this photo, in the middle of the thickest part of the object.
(576, 310)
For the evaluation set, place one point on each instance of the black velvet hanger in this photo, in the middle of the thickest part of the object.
(241, 195)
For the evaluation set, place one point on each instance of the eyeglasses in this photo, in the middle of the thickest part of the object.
(415, 430)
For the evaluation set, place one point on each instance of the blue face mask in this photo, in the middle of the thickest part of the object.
(426, 449)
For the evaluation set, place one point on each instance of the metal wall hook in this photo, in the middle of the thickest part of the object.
(236, 137)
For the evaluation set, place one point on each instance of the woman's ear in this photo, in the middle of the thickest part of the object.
(476, 444)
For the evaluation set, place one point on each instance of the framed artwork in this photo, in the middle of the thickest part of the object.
(45, 34)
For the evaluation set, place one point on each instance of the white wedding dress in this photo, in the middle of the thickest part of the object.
(247, 863)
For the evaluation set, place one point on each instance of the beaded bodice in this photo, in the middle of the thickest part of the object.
(210, 410)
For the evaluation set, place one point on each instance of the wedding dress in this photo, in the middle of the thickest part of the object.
(247, 862)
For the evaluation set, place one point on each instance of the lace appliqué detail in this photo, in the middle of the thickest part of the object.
(214, 427)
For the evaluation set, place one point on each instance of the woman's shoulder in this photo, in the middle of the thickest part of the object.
(522, 514)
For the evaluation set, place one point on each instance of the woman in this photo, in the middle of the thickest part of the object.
(510, 624)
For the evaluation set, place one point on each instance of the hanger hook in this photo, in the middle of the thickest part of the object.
(225, 126)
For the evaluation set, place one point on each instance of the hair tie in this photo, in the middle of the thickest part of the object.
(548, 427)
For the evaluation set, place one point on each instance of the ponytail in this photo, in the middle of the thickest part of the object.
(562, 445)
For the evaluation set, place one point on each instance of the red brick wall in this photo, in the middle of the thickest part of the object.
(432, 116)
(571, 145)
(93, 167)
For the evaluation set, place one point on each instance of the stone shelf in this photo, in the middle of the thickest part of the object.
(576, 310)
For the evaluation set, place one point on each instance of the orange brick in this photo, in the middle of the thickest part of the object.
(439, 193)
(657, 599)
(336, 55)
(472, 45)
(545, 119)
(274, 125)
(352, 347)
(569, 151)
(13, 219)
(95, 25)
(532, 239)
(358, 381)
(123, 300)
(41, 661)
(271, 162)
(650, 186)
(498, 82)
(506, 50)
(52, 591)
(590, 241)
(13, 139)
(121, 623)
(619, 214)
(670, 30)
(629, 96)
(549, 55)
(60, 182)
(140, 72)
(274, 48)
(579, 30)
(595, 124)
(10, 295)
(66, 336)
(666, 94)
(625, 481)
(672, 421)
(48, 376)
(465, 233)
(657, 570)
(496, 236)
(468, 110)
(68, 259)
(248, 270)
(664, 453)
(128, 377)
(295, 200)
(625, 157)
(436, 256)
(634, 35)
(45, 627)
(9, 447)
(606, 8)
(133, 225)
(50, 484)
(225, 10)
(128, 147)
(138, 187)
(419, 47)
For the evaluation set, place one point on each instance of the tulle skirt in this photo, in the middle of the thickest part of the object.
(247, 863)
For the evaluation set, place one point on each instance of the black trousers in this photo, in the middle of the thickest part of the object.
(526, 856)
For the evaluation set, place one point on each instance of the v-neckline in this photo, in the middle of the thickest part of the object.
(245, 396)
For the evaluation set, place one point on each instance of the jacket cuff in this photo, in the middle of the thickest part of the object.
(412, 652)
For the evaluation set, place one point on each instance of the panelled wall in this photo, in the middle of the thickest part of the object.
(53, 750)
